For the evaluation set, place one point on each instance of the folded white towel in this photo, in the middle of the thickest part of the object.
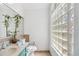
(32, 48)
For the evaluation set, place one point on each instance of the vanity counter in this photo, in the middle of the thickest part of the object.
(12, 50)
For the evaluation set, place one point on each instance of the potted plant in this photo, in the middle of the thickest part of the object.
(17, 18)
(6, 23)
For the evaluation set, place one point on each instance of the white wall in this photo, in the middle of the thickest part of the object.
(36, 18)
(36, 24)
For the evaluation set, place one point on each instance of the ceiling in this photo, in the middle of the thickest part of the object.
(25, 7)
(33, 6)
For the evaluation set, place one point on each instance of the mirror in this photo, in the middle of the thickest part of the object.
(6, 13)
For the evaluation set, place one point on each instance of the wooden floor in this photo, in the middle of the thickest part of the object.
(42, 53)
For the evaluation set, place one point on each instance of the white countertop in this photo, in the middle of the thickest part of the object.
(13, 50)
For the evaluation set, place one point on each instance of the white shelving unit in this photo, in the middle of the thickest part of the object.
(62, 28)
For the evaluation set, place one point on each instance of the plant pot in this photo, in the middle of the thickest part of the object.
(13, 40)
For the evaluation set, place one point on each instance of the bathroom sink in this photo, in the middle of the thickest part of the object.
(8, 52)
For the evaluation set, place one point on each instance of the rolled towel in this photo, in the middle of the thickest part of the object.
(32, 48)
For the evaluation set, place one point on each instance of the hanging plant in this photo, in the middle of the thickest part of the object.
(6, 23)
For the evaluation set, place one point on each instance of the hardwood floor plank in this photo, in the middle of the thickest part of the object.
(42, 53)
